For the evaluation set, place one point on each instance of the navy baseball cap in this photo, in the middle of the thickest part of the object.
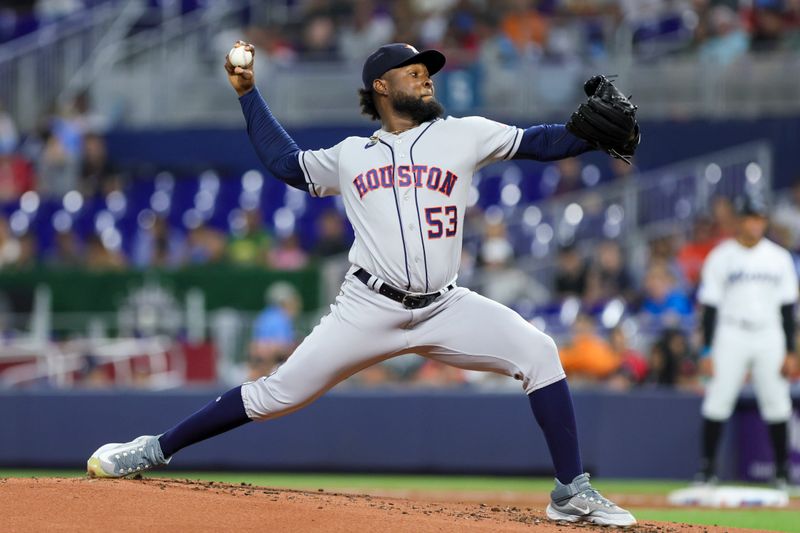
(752, 205)
(395, 55)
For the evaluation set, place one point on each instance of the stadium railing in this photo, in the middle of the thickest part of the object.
(141, 76)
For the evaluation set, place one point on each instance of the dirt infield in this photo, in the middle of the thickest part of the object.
(155, 505)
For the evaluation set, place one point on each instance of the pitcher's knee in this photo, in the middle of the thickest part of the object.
(541, 364)
(541, 350)
(264, 398)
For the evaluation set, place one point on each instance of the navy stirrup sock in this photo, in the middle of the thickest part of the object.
(552, 407)
(225, 413)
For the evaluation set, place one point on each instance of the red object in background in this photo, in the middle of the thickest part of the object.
(201, 362)
(16, 176)
(691, 258)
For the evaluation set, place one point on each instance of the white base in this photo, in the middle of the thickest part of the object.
(721, 496)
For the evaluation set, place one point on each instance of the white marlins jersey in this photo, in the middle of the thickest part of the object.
(749, 284)
(406, 194)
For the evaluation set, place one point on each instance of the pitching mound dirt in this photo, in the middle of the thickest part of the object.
(155, 505)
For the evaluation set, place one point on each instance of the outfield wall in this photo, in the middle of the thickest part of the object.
(652, 434)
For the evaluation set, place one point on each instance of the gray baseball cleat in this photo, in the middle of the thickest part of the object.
(119, 460)
(579, 502)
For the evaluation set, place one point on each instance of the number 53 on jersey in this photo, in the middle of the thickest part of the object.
(442, 221)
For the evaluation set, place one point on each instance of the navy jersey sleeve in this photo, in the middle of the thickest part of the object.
(550, 142)
(276, 150)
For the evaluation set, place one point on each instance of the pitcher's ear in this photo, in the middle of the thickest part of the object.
(380, 86)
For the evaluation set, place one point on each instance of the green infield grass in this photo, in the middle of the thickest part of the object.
(761, 519)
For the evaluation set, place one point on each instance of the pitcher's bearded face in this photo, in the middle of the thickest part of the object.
(419, 109)
(411, 93)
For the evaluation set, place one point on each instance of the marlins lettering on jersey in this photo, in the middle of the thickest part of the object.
(740, 276)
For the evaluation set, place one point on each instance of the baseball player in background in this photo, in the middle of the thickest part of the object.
(748, 291)
(405, 192)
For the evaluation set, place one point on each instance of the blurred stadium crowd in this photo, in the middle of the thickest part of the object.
(501, 32)
(623, 317)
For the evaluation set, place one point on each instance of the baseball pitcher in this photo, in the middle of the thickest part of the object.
(405, 190)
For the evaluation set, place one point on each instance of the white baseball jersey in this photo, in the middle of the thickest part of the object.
(406, 194)
(749, 285)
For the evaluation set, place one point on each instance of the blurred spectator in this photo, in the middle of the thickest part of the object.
(460, 40)
(693, 253)
(727, 41)
(502, 281)
(67, 251)
(571, 271)
(430, 17)
(69, 125)
(287, 254)
(367, 29)
(10, 247)
(57, 168)
(438, 375)
(565, 37)
(101, 258)
(319, 39)
(273, 330)
(724, 217)
(83, 117)
(662, 250)
(158, 245)
(612, 277)
(331, 235)
(526, 27)
(588, 356)
(274, 48)
(93, 375)
(205, 245)
(16, 176)
(569, 176)
(659, 27)
(97, 173)
(250, 245)
(787, 215)
(496, 50)
(768, 26)
(28, 250)
(379, 375)
(671, 359)
(633, 364)
(9, 138)
(663, 299)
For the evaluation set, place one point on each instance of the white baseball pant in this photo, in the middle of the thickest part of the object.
(734, 352)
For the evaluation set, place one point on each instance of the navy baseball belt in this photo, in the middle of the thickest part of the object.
(410, 300)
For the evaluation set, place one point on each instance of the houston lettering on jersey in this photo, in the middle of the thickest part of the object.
(419, 176)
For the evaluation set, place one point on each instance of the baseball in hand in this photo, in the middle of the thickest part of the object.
(240, 57)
